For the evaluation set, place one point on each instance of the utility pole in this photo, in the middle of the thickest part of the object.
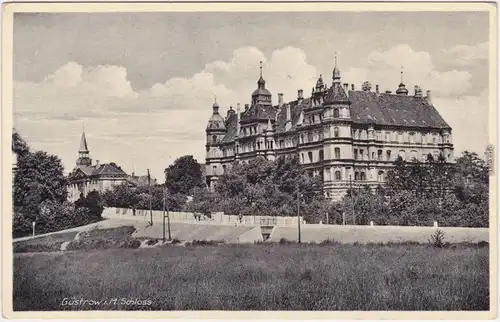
(150, 198)
(163, 217)
(352, 201)
(298, 212)
(168, 215)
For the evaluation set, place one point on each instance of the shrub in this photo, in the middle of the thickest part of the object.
(204, 242)
(437, 239)
(175, 241)
(329, 242)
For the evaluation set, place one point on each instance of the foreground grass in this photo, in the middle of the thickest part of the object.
(257, 277)
(50, 243)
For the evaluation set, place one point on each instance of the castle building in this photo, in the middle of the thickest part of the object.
(87, 177)
(348, 137)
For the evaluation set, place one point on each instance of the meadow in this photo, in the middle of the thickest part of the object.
(267, 276)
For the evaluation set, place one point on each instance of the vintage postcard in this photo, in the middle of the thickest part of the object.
(249, 160)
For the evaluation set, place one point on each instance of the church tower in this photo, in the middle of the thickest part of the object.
(83, 153)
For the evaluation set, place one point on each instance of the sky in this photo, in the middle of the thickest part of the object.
(143, 84)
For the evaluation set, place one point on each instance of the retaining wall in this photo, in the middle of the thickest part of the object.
(377, 234)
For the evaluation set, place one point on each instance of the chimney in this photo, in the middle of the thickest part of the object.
(288, 123)
(376, 89)
(97, 163)
(300, 96)
(346, 86)
(246, 107)
(238, 114)
(352, 87)
(418, 91)
(429, 97)
(280, 99)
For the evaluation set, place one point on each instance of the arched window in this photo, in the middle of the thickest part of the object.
(338, 175)
(388, 155)
(321, 155)
(381, 176)
(336, 132)
(362, 176)
(414, 155)
(356, 175)
(214, 138)
(379, 155)
(336, 113)
(402, 154)
(223, 168)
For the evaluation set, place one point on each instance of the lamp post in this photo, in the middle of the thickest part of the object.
(298, 213)
(352, 201)
(150, 198)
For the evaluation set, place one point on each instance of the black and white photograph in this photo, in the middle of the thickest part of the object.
(265, 157)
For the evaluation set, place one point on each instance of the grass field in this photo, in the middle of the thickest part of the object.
(49, 243)
(257, 277)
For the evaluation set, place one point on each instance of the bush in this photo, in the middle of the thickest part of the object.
(204, 242)
(175, 241)
(437, 239)
(119, 237)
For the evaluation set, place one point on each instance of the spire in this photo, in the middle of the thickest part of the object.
(336, 71)
(402, 87)
(261, 82)
(269, 125)
(215, 106)
(83, 143)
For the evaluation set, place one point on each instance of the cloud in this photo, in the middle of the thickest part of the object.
(468, 116)
(383, 68)
(150, 127)
(464, 55)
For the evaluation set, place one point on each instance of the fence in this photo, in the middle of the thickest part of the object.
(217, 218)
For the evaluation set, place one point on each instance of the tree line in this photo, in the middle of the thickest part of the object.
(415, 193)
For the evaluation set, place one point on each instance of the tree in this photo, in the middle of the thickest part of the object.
(39, 177)
(184, 175)
(203, 203)
(270, 188)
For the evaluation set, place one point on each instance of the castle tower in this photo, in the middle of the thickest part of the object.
(337, 127)
(261, 96)
(215, 131)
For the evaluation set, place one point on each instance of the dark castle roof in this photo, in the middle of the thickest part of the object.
(366, 108)
(259, 112)
(390, 109)
(231, 126)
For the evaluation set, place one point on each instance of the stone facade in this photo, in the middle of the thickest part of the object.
(346, 136)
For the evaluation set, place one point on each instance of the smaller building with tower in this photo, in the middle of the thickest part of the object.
(87, 176)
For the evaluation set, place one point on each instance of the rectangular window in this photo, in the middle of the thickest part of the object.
(361, 154)
(310, 155)
(356, 154)
(337, 153)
